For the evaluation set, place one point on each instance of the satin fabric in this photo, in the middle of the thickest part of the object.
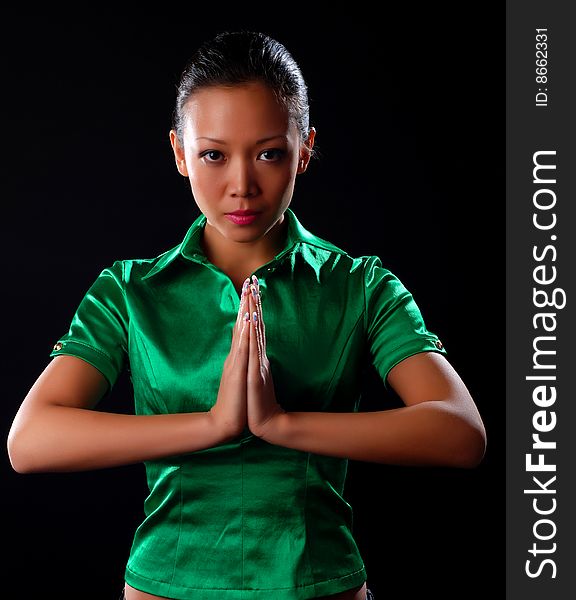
(246, 520)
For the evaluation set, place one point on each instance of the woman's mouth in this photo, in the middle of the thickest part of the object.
(239, 218)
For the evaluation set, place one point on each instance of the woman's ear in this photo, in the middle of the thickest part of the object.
(179, 156)
(306, 151)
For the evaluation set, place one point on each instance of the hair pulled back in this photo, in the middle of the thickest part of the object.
(233, 58)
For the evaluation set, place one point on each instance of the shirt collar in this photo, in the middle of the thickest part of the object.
(191, 249)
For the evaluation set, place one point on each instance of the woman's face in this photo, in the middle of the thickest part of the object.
(241, 152)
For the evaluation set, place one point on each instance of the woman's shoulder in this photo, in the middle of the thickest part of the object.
(137, 269)
(366, 265)
(323, 254)
(328, 251)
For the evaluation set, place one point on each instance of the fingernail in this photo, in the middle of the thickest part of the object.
(255, 317)
(245, 284)
(254, 293)
(255, 280)
(246, 316)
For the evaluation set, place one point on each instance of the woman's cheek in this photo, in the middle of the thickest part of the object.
(202, 183)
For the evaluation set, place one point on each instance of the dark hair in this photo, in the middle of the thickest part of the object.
(238, 57)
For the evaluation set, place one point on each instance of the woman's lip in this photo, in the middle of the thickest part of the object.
(242, 219)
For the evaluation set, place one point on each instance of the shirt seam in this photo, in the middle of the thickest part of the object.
(179, 531)
(156, 390)
(334, 249)
(312, 585)
(307, 544)
(417, 339)
(361, 317)
(97, 350)
(344, 348)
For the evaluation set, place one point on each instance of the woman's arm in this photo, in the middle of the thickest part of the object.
(440, 424)
(56, 430)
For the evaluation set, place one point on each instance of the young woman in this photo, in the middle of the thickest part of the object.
(245, 345)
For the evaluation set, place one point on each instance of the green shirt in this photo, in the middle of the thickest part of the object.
(246, 519)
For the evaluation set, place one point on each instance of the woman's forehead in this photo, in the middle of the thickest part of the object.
(252, 110)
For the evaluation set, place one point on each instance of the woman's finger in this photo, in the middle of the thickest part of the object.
(242, 331)
(244, 334)
(262, 324)
(255, 308)
(242, 307)
(254, 360)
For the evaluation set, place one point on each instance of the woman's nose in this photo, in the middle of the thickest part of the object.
(242, 179)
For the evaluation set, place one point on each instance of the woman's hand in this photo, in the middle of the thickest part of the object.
(229, 412)
(263, 409)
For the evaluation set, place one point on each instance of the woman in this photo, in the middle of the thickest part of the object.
(245, 438)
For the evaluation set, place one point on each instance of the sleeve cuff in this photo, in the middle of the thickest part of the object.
(410, 349)
(91, 355)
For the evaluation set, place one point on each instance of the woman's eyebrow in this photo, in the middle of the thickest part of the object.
(261, 141)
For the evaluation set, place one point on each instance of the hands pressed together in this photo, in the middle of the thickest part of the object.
(246, 395)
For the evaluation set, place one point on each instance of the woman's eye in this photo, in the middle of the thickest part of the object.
(212, 155)
(272, 155)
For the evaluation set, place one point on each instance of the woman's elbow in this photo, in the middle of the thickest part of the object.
(472, 448)
(17, 460)
(20, 454)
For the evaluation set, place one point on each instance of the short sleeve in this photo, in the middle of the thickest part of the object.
(99, 329)
(395, 328)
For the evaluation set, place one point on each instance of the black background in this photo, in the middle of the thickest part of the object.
(409, 126)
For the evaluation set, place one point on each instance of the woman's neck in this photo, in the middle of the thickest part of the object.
(238, 257)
